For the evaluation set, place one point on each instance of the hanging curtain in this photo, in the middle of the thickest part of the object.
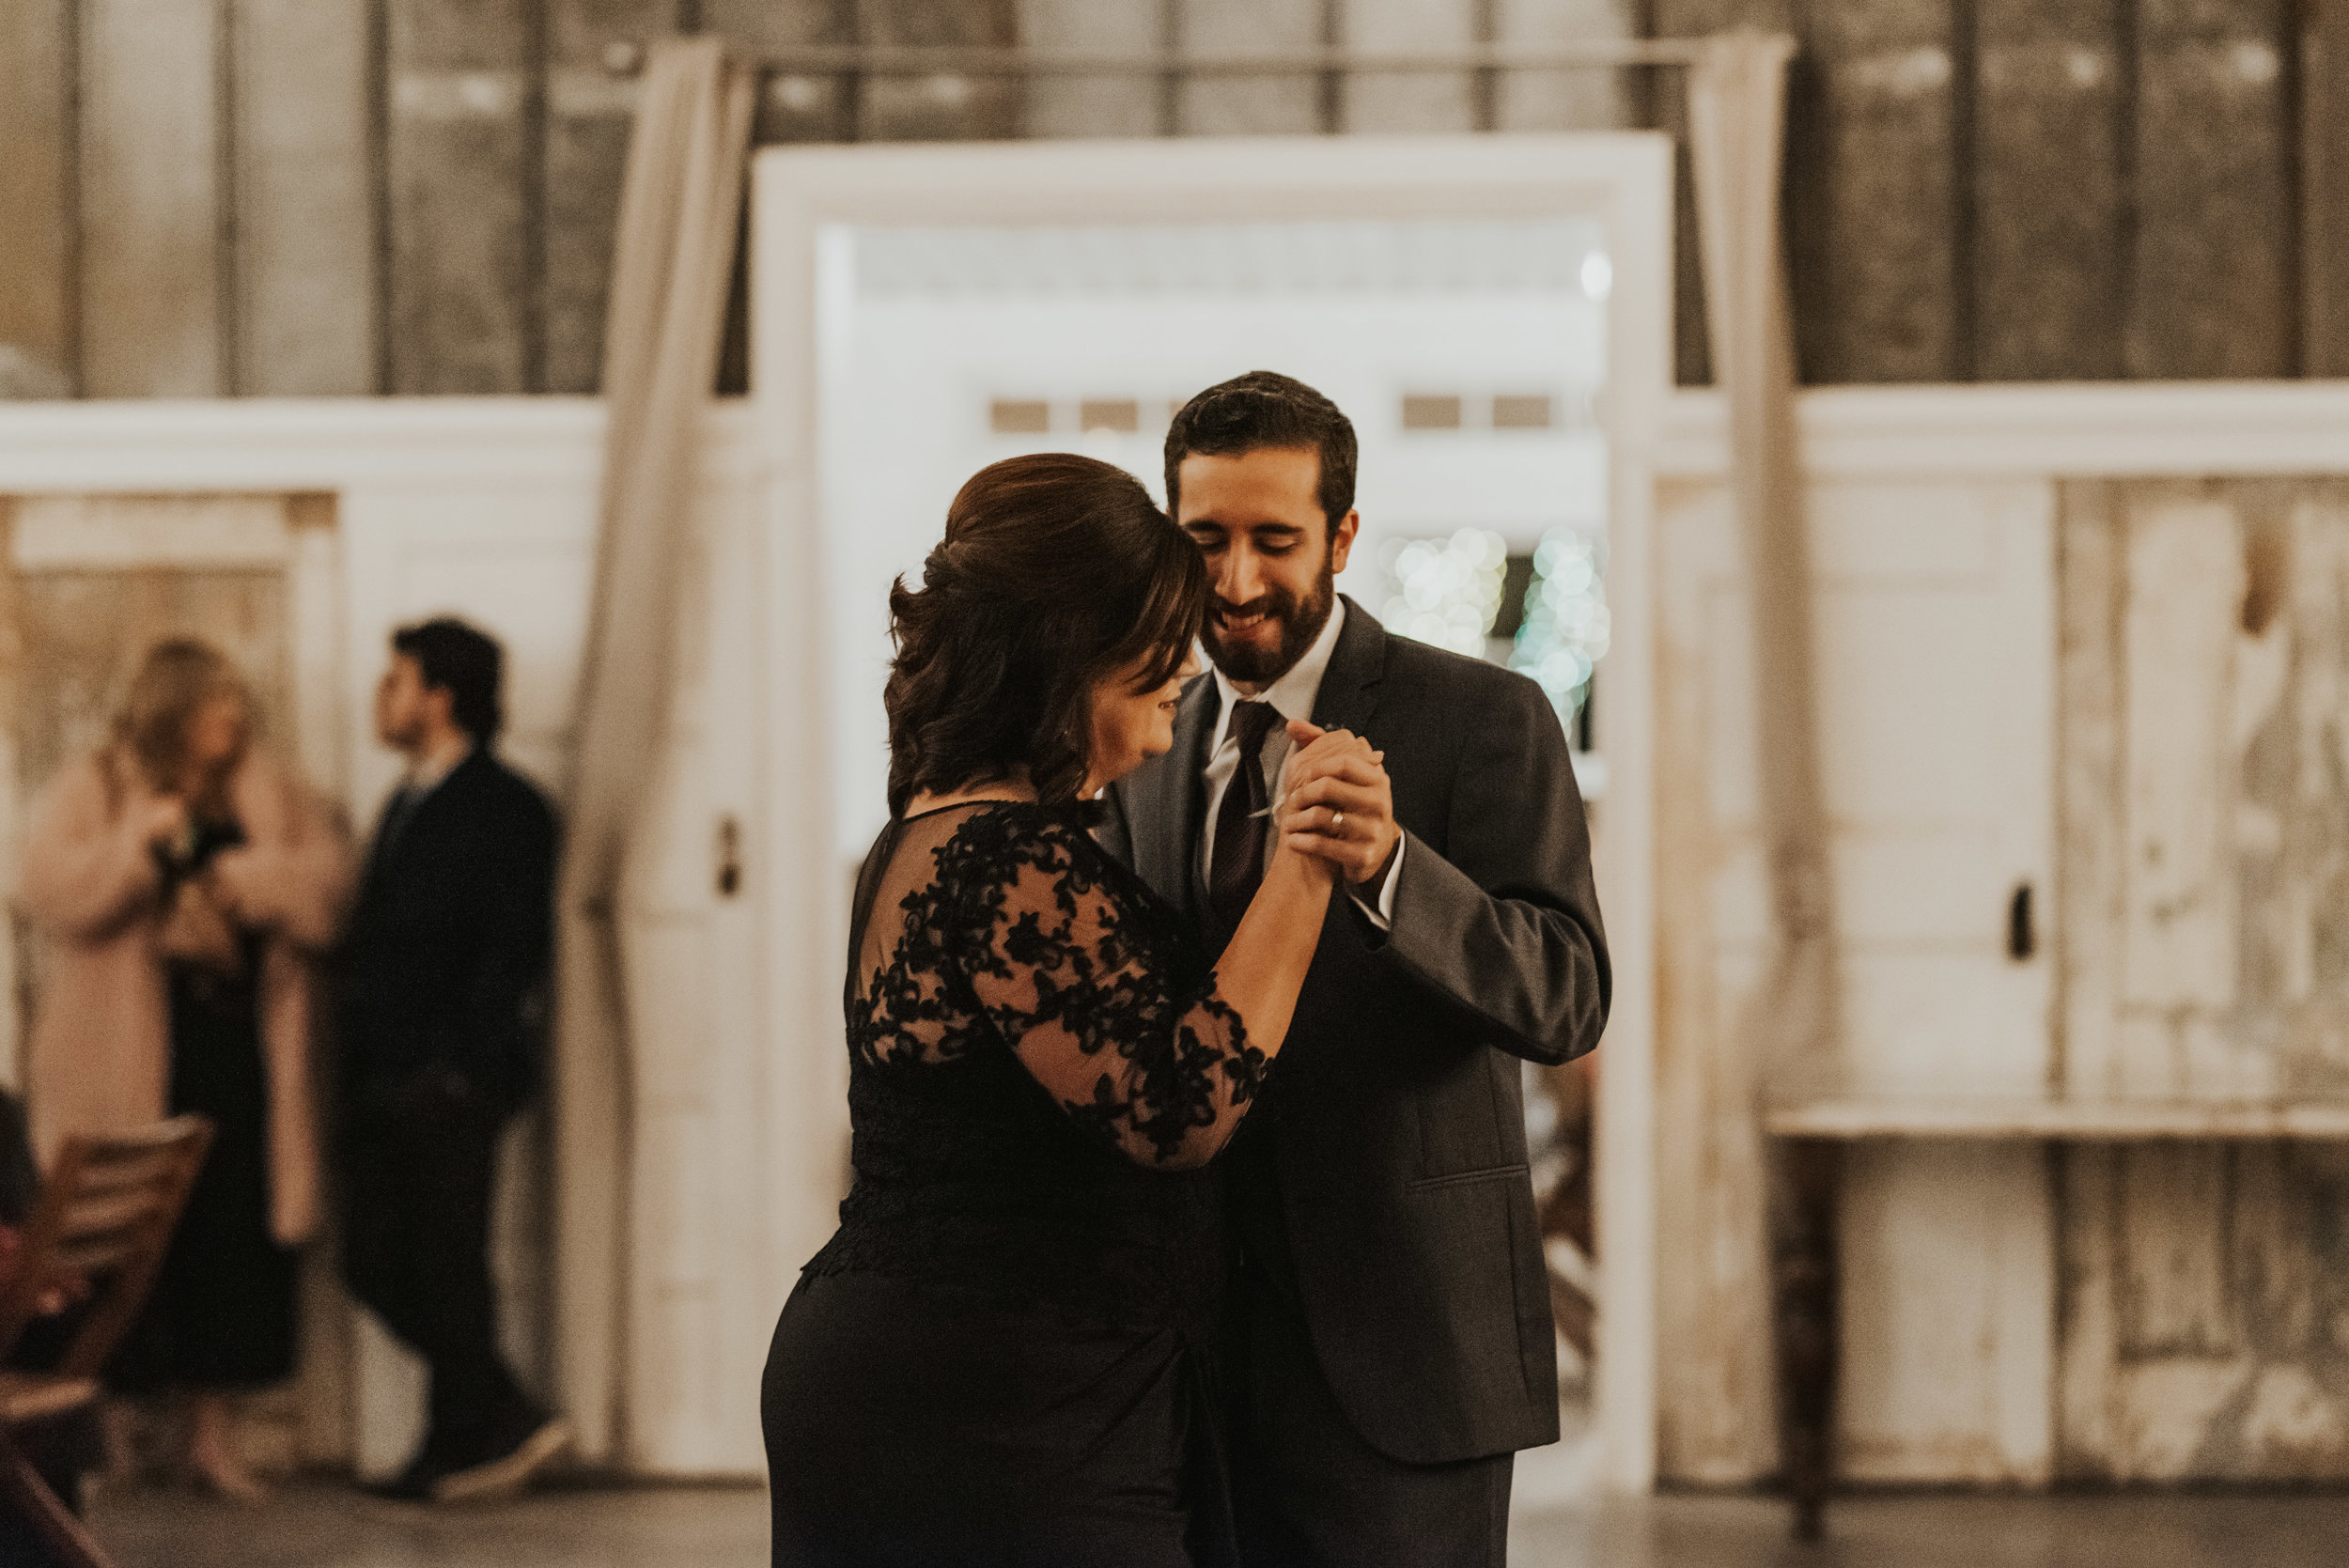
(679, 211)
(1736, 124)
(1792, 1032)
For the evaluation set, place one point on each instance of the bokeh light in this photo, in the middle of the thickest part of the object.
(1564, 632)
(1445, 592)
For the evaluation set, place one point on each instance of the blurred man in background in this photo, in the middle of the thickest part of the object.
(444, 970)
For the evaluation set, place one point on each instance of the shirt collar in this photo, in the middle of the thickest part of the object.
(1294, 693)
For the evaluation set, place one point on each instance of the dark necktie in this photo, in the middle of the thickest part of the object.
(1242, 825)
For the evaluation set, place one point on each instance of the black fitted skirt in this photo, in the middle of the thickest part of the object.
(910, 1427)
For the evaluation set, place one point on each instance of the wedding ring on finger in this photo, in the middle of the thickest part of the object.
(1337, 820)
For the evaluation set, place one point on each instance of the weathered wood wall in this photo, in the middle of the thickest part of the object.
(2205, 929)
(230, 197)
(2139, 694)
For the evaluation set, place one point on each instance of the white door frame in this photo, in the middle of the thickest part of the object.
(1623, 179)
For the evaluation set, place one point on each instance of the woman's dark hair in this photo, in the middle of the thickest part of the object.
(1056, 572)
(465, 662)
(1260, 410)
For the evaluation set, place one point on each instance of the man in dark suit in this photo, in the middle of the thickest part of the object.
(442, 999)
(1390, 1342)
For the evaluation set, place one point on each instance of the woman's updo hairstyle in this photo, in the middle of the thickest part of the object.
(1056, 572)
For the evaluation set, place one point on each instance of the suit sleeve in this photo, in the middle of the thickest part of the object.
(1504, 928)
(1113, 833)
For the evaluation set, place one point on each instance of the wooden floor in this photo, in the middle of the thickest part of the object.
(329, 1527)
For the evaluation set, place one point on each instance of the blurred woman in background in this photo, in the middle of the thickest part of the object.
(182, 879)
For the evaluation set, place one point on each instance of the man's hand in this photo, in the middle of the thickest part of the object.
(1340, 804)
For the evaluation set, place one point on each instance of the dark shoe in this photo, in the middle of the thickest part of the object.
(434, 1458)
(509, 1465)
(413, 1485)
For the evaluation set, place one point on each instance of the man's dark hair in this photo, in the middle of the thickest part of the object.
(1056, 573)
(466, 664)
(1260, 410)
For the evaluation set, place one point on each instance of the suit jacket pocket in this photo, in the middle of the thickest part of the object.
(1466, 1178)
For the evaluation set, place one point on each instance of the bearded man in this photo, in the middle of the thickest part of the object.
(1389, 1343)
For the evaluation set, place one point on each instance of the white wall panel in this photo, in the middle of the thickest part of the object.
(1936, 670)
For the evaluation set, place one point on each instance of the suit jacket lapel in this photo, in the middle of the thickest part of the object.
(1348, 700)
(1205, 704)
(391, 835)
(1349, 687)
(1170, 804)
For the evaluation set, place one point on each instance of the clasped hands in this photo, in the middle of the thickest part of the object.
(200, 926)
(1339, 806)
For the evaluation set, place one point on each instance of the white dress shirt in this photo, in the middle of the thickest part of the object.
(1292, 696)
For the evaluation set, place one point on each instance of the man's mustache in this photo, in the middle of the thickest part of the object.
(1275, 605)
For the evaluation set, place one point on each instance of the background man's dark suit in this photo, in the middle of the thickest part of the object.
(1380, 1190)
(442, 991)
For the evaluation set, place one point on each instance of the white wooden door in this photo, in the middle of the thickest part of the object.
(1936, 656)
(696, 1319)
(1938, 632)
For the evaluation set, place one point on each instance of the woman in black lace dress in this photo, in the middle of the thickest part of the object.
(1000, 1357)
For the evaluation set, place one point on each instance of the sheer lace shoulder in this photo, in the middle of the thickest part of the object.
(1084, 980)
(901, 1008)
(1024, 920)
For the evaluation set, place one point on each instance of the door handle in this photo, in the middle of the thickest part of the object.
(2021, 939)
(729, 856)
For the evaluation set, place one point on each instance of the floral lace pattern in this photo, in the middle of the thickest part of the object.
(1025, 934)
(1038, 1064)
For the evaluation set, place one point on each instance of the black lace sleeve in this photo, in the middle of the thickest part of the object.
(1081, 981)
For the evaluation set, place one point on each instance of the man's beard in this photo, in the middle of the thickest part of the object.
(1299, 624)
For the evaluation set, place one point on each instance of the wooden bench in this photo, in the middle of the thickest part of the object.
(1811, 1135)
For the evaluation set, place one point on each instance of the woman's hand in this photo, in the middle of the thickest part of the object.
(1303, 824)
(227, 880)
(197, 931)
(165, 822)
